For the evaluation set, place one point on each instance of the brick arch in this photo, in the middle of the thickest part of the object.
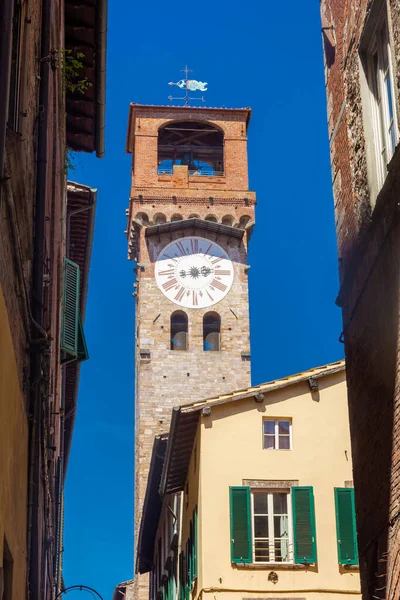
(211, 218)
(176, 217)
(244, 221)
(159, 218)
(178, 143)
(228, 220)
(142, 218)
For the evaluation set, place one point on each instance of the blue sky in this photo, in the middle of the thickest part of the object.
(251, 53)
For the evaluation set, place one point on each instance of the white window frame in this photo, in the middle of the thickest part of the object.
(270, 493)
(277, 420)
(378, 96)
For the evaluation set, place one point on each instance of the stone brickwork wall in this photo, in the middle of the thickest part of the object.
(169, 378)
(368, 234)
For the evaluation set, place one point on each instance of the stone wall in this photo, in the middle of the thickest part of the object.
(169, 378)
(368, 233)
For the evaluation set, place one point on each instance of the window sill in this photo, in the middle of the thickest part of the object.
(350, 567)
(273, 566)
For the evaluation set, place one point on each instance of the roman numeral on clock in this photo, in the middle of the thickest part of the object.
(167, 272)
(194, 298)
(169, 284)
(194, 244)
(180, 294)
(181, 248)
(170, 257)
(216, 260)
(206, 252)
(218, 285)
(222, 272)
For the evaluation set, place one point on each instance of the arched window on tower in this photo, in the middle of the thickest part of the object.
(179, 330)
(198, 145)
(211, 332)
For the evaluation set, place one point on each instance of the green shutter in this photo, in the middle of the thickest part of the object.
(82, 348)
(181, 594)
(240, 525)
(195, 545)
(189, 560)
(305, 546)
(346, 526)
(70, 308)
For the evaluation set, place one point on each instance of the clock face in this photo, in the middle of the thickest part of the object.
(194, 272)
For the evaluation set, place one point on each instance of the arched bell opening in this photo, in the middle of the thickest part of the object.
(179, 330)
(197, 145)
(211, 332)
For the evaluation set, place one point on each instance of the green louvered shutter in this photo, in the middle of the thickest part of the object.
(181, 594)
(305, 546)
(346, 526)
(188, 570)
(195, 544)
(70, 308)
(82, 348)
(240, 524)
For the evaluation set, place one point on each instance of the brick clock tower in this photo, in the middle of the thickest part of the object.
(189, 221)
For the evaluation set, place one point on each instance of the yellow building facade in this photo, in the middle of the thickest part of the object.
(251, 496)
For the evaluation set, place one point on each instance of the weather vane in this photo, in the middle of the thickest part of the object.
(189, 85)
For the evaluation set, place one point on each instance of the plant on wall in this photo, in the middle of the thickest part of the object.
(72, 66)
(74, 83)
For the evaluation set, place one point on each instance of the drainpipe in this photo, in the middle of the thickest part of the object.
(35, 523)
(6, 27)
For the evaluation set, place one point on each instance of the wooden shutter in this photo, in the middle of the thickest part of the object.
(70, 308)
(82, 348)
(181, 594)
(241, 547)
(346, 526)
(195, 543)
(305, 547)
(188, 569)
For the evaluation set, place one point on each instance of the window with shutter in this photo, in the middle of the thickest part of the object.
(188, 569)
(305, 547)
(73, 343)
(240, 516)
(195, 543)
(181, 594)
(346, 526)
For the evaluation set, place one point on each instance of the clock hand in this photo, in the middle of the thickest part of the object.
(195, 272)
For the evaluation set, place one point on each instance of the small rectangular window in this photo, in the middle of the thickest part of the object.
(277, 434)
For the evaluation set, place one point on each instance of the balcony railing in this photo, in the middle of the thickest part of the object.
(195, 172)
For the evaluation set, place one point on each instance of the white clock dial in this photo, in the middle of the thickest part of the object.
(194, 272)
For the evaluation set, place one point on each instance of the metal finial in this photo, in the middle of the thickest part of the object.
(189, 85)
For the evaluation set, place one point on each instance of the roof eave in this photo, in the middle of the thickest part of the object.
(101, 78)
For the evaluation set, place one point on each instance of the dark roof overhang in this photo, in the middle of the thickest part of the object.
(81, 207)
(181, 438)
(152, 506)
(200, 224)
(86, 33)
